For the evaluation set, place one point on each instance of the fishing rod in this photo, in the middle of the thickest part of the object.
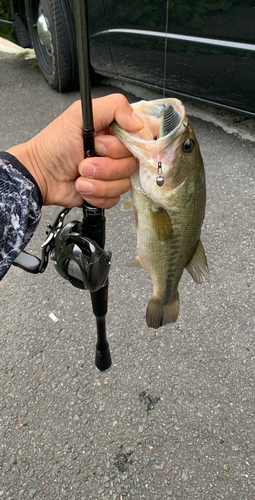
(77, 248)
(93, 218)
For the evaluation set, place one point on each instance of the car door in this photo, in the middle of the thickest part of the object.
(133, 28)
(100, 54)
(210, 47)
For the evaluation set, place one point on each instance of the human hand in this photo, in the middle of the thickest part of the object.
(55, 157)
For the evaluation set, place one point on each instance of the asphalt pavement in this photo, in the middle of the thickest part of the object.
(174, 416)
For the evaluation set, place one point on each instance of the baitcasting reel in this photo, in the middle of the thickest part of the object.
(77, 258)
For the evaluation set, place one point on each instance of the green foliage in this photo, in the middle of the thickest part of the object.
(5, 10)
(7, 33)
(193, 15)
(185, 16)
(132, 12)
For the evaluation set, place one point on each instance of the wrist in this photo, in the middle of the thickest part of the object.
(26, 154)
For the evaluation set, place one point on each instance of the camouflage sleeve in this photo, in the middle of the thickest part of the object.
(20, 209)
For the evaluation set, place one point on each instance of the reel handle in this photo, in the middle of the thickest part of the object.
(27, 262)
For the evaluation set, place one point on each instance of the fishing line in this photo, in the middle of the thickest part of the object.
(165, 56)
(58, 58)
(160, 179)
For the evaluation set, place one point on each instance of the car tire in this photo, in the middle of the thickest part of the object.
(57, 57)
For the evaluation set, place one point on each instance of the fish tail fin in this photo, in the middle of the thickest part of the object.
(160, 314)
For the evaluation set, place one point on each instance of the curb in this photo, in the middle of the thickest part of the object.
(11, 48)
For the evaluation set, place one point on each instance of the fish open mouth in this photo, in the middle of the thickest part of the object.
(164, 122)
(162, 118)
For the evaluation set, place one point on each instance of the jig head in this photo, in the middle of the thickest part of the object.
(160, 179)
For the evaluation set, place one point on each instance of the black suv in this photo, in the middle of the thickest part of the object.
(190, 48)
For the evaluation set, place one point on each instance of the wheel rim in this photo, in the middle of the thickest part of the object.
(43, 31)
(43, 37)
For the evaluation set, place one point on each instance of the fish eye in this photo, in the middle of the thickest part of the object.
(188, 146)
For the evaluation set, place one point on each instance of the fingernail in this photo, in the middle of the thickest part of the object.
(138, 119)
(85, 187)
(88, 170)
(100, 148)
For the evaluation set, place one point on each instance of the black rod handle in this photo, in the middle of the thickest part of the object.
(94, 228)
(103, 356)
(99, 304)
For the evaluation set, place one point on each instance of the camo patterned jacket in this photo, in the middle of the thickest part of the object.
(20, 209)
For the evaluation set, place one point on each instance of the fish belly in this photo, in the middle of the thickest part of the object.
(166, 241)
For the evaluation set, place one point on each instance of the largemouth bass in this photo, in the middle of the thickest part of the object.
(168, 198)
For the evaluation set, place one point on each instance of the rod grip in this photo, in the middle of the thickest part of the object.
(99, 301)
(103, 356)
(99, 304)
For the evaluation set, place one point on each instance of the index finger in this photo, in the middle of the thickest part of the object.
(110, 145)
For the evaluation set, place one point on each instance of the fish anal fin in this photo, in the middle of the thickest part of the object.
(160, 314)
(197, 266)
(162, 225)
(127, 205)
(135, 263)
(136, 219)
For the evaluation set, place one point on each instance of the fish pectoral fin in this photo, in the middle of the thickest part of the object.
(127, 205)
(135, 263)
(197, 266)
(160, 314)
(162, 225)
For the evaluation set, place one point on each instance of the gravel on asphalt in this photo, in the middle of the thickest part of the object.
(174, 416)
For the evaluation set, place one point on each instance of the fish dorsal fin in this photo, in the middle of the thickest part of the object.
(197, 266)
(127, 205)
(162, 224)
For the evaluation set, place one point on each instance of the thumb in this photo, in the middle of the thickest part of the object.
(115, 107)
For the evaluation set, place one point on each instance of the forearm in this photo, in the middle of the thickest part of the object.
(20, 209)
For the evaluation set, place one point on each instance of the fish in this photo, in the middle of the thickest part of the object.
(168, 196)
